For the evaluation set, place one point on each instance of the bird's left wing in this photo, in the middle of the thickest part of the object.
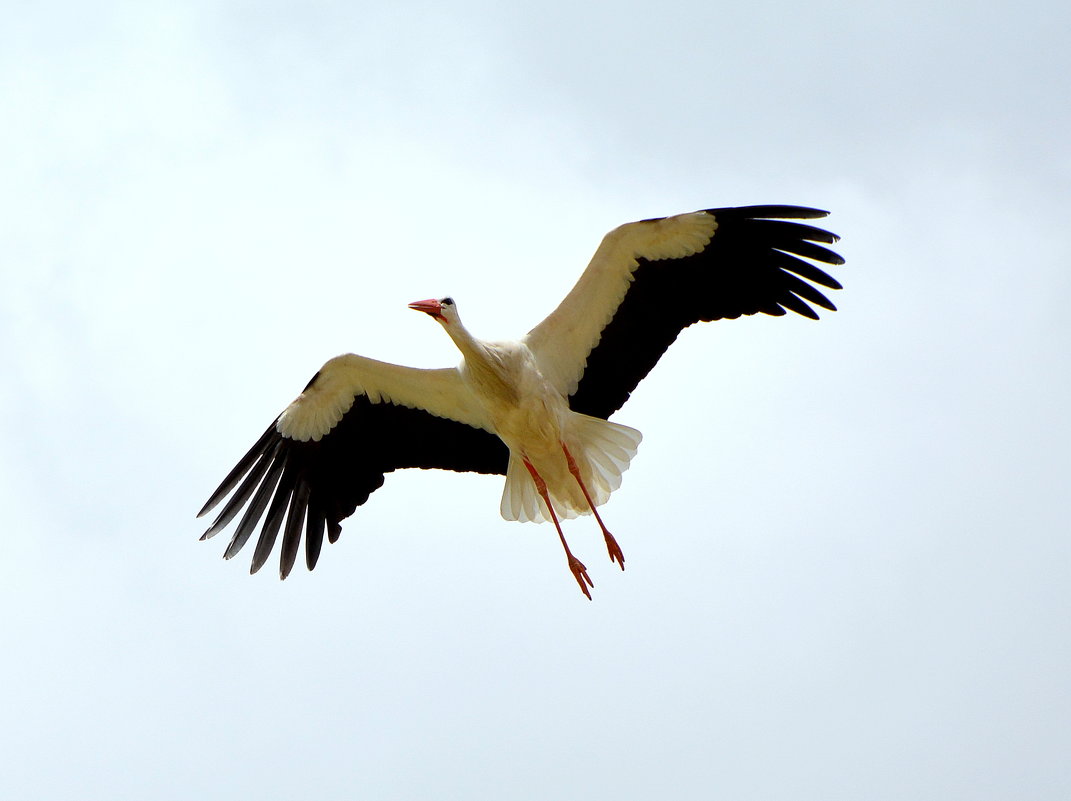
(650, 279)
(356, 420)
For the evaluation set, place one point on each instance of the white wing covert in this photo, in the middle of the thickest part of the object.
(562, 342)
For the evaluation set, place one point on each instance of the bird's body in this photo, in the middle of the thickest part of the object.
(533, 409)
(533, 419)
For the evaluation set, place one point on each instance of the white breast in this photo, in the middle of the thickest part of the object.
(525, 411)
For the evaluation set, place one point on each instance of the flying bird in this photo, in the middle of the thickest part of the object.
(534, 410)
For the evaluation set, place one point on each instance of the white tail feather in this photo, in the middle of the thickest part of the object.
(520, 501)
(602, 451)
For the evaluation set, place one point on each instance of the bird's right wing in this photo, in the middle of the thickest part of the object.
(650, 279)
(356, 420)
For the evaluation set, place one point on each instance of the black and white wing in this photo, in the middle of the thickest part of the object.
(357, 420)
(650, 279)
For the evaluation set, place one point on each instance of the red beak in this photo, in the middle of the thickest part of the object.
(429, 306)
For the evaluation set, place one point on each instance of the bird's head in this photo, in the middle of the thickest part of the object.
(443, 310)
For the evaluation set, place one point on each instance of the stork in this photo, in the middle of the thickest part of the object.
(534, 410)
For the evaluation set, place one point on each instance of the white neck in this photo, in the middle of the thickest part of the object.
(469, 345)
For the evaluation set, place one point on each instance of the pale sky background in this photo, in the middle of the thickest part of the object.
(847, 541)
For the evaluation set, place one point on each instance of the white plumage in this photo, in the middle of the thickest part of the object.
(534, 409)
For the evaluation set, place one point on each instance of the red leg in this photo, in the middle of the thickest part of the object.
(611, 544)
(580, 573)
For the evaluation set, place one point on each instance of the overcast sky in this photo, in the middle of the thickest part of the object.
(847, 541)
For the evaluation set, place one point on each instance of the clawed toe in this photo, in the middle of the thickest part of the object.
(614, 550)
(580, 573)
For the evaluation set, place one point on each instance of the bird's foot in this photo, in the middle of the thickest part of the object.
(580, 573)
(614, 549)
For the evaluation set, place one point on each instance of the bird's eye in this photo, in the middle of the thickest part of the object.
(447, 301)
